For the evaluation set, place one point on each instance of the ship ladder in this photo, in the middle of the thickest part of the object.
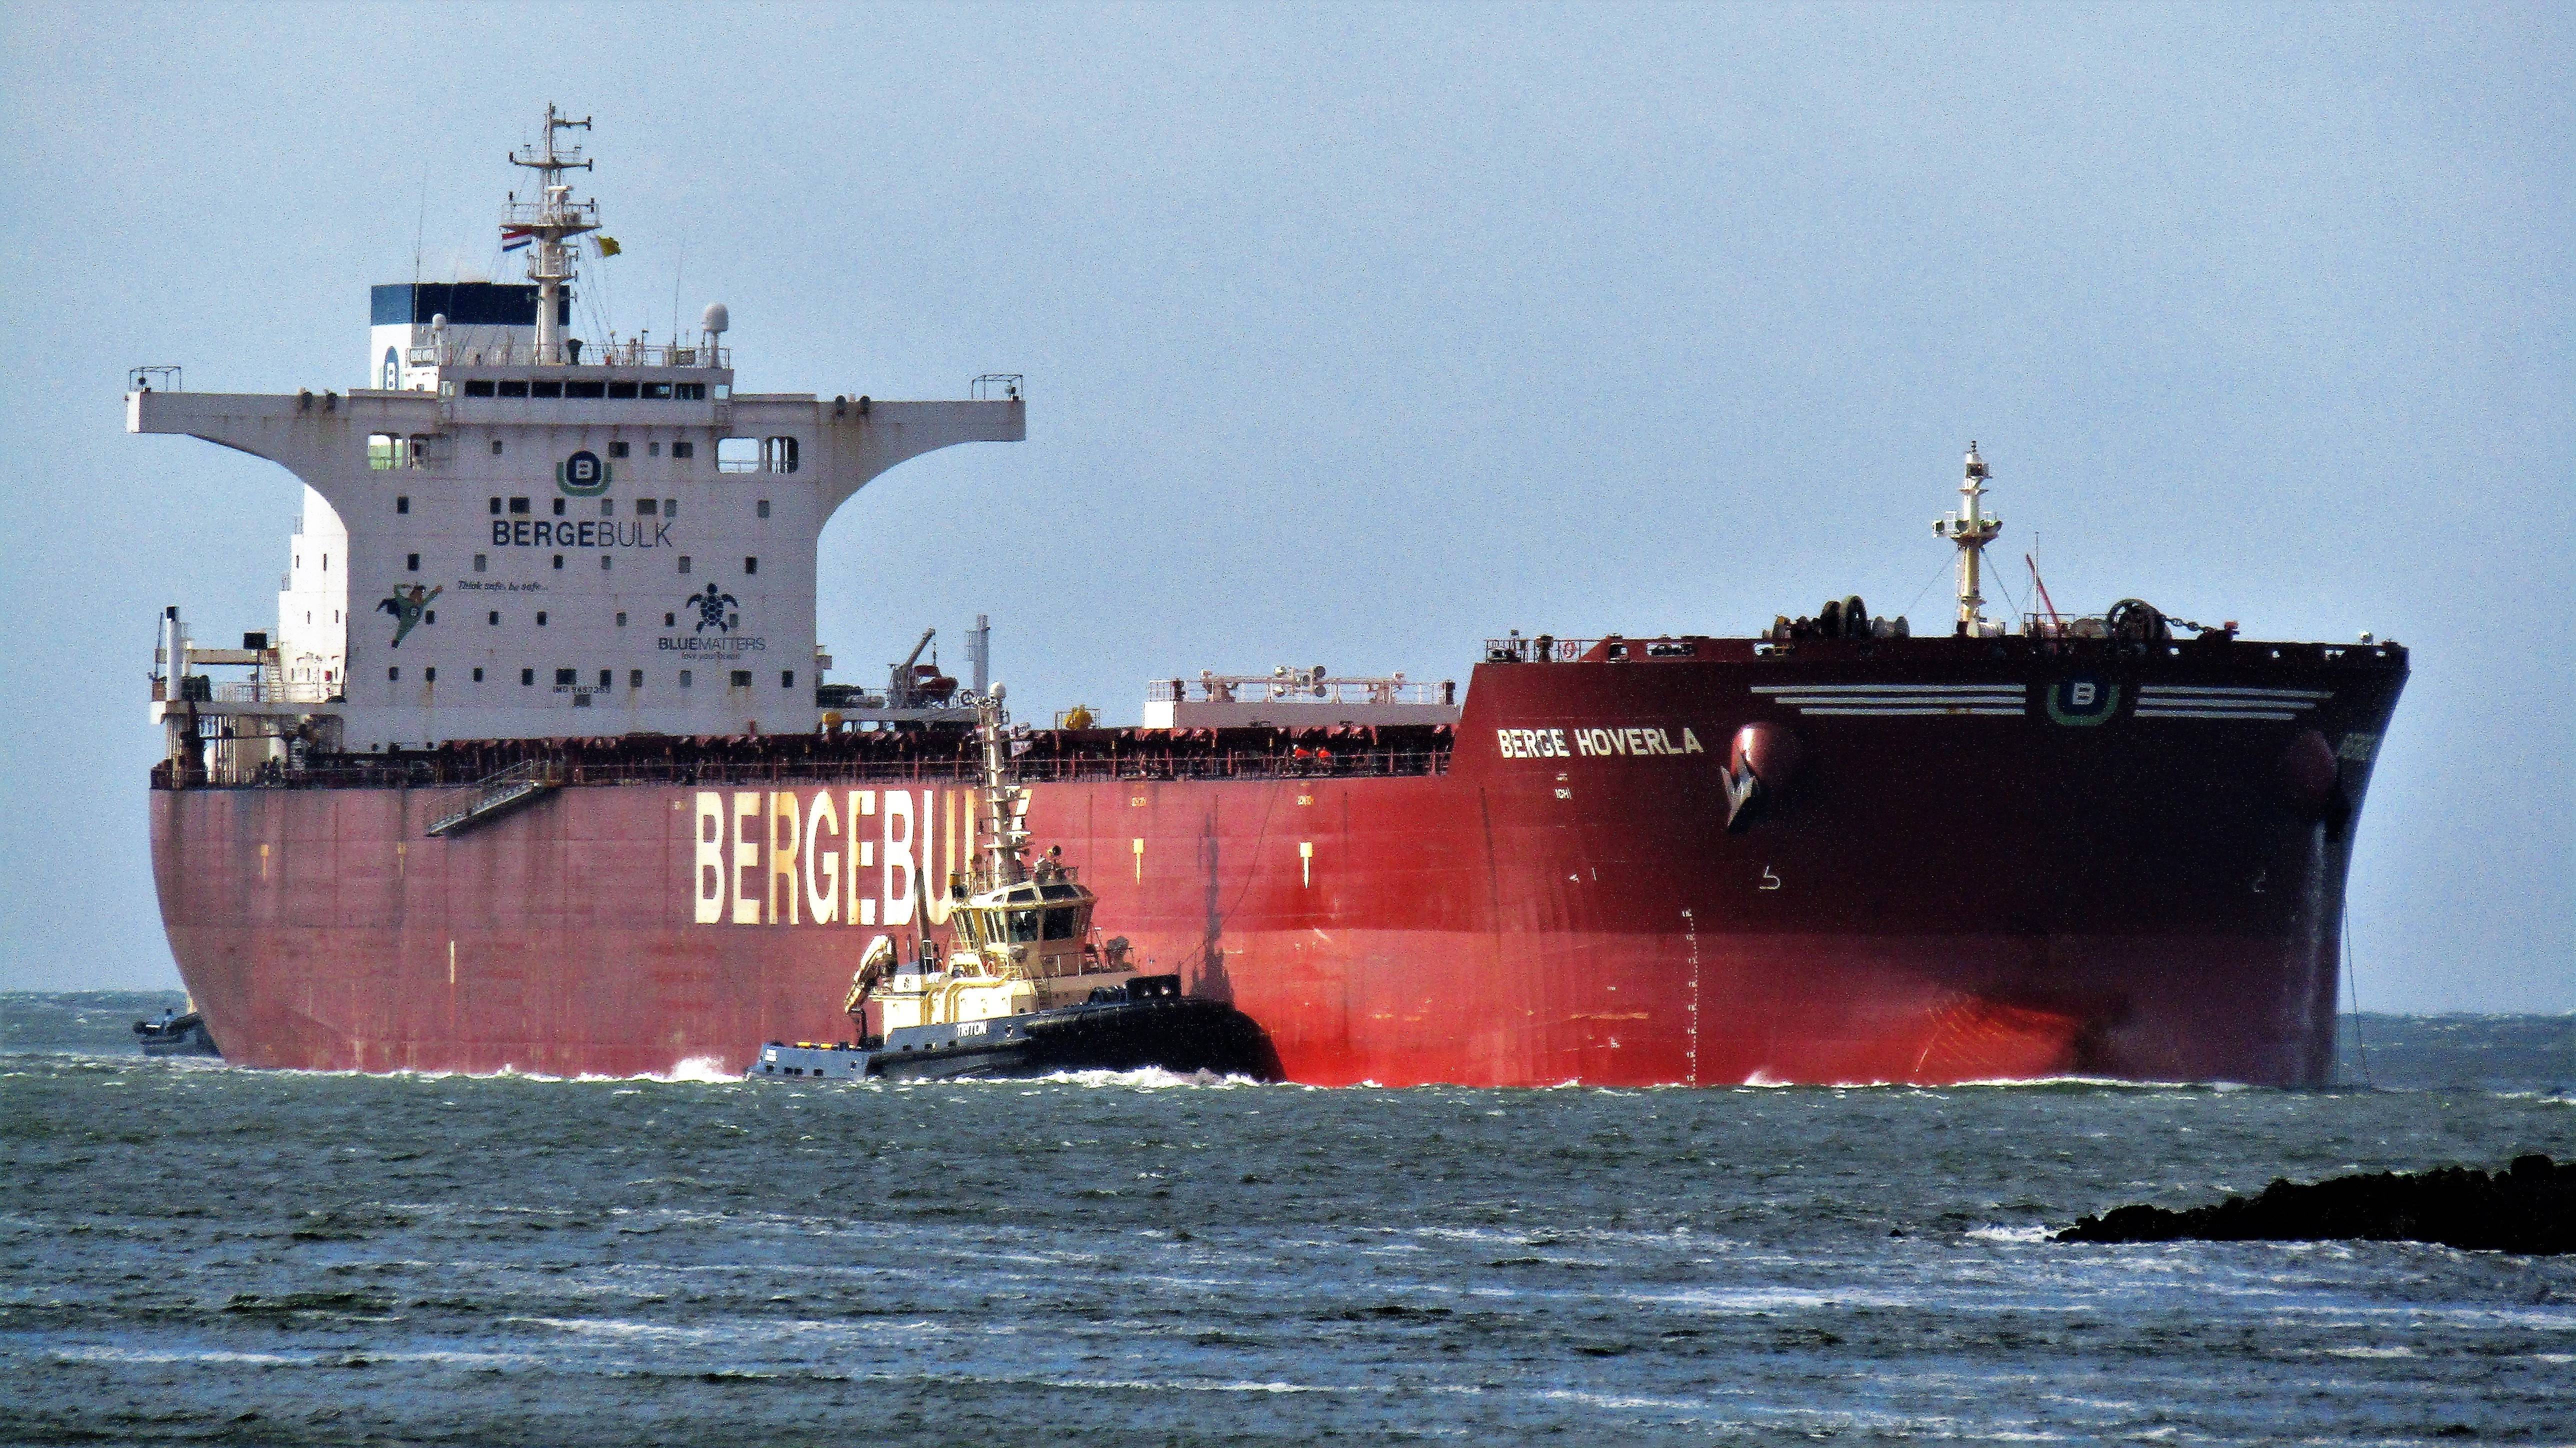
(496, 795)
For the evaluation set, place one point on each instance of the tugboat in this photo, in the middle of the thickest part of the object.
(176, 1035)
(1027, 988)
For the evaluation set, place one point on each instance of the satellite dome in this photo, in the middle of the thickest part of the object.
(717, 318)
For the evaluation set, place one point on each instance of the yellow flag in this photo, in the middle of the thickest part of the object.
(608, 246)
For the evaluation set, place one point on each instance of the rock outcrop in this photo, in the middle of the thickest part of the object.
(2528, 1208)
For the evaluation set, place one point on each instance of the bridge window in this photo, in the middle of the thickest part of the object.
(585, 389)
(778, 455)
(621, 391)
(478, 387)
(738, 455)
(514, 387)
(658, 391)
(545, 389)
(690, 391)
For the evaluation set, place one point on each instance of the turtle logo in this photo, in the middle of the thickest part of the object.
(407, 608)
(712, 609)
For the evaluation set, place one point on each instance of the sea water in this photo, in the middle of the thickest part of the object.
(194, 1252)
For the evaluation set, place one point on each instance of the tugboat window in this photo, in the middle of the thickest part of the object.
(1024, 925)
(1059, 925)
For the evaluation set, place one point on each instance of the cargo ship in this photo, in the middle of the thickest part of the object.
(542, 770)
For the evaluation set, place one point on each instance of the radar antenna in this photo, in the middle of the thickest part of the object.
(549, 222)
(1972, 529)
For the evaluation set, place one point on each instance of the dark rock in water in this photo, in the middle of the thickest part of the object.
(2528, 1208)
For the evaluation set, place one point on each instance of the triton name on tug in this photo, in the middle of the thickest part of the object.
(1028, 987)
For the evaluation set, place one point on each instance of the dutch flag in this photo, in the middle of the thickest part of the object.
(515, 237)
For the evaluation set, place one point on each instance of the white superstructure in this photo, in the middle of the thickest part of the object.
(513, 534)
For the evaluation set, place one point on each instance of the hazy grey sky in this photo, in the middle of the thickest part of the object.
(1355, 335)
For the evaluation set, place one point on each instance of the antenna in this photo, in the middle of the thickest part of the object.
(549, 222)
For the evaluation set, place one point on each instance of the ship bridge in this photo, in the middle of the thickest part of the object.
(517, 533)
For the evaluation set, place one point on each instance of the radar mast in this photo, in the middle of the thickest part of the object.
(549, 222)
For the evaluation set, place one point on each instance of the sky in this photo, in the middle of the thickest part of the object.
(1356, 335)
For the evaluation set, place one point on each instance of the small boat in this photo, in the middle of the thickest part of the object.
(1027, 986)
(176, 1035)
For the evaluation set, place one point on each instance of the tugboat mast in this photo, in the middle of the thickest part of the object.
(1972, 529)
(1003, 837)
(549, 222)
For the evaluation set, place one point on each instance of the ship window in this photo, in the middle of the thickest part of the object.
(750, 564)
(482, 561)
(394, 672)
(581, 701)
(494, 617)
(787, 678)
(652, 449)
(737, 455)
(565, 677)
(604, 560)
(617, 449)
(559, 507)
(514, 387)
(621, 619)
(645, 506)
(690, 391)
(606, 677)
(684, 563)
(1024, 926)
(660, 391)
(496, 505)
(684, 449)
(685, 678)
(541, 618)
(527, 676)
(411, 563)
(585, 389)
(671, 506)
(635, 678)
(763, 510)
(478, 387)
(430, 617)
(1059, 924)
(518, 505)
(429, 675)
(778, 455)
(478, 676)
(670, 620)
(403, 505)
(742, 678)
(621, 391)
(558, 560)
(545, 389)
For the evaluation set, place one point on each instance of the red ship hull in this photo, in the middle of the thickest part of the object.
(1923, 892)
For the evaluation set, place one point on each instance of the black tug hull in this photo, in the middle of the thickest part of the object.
(1179, 1034)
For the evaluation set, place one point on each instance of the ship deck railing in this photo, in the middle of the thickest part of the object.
(428, 773)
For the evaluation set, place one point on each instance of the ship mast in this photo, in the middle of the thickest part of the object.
(1003, 837)
(1972, 529)
(550, 221)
